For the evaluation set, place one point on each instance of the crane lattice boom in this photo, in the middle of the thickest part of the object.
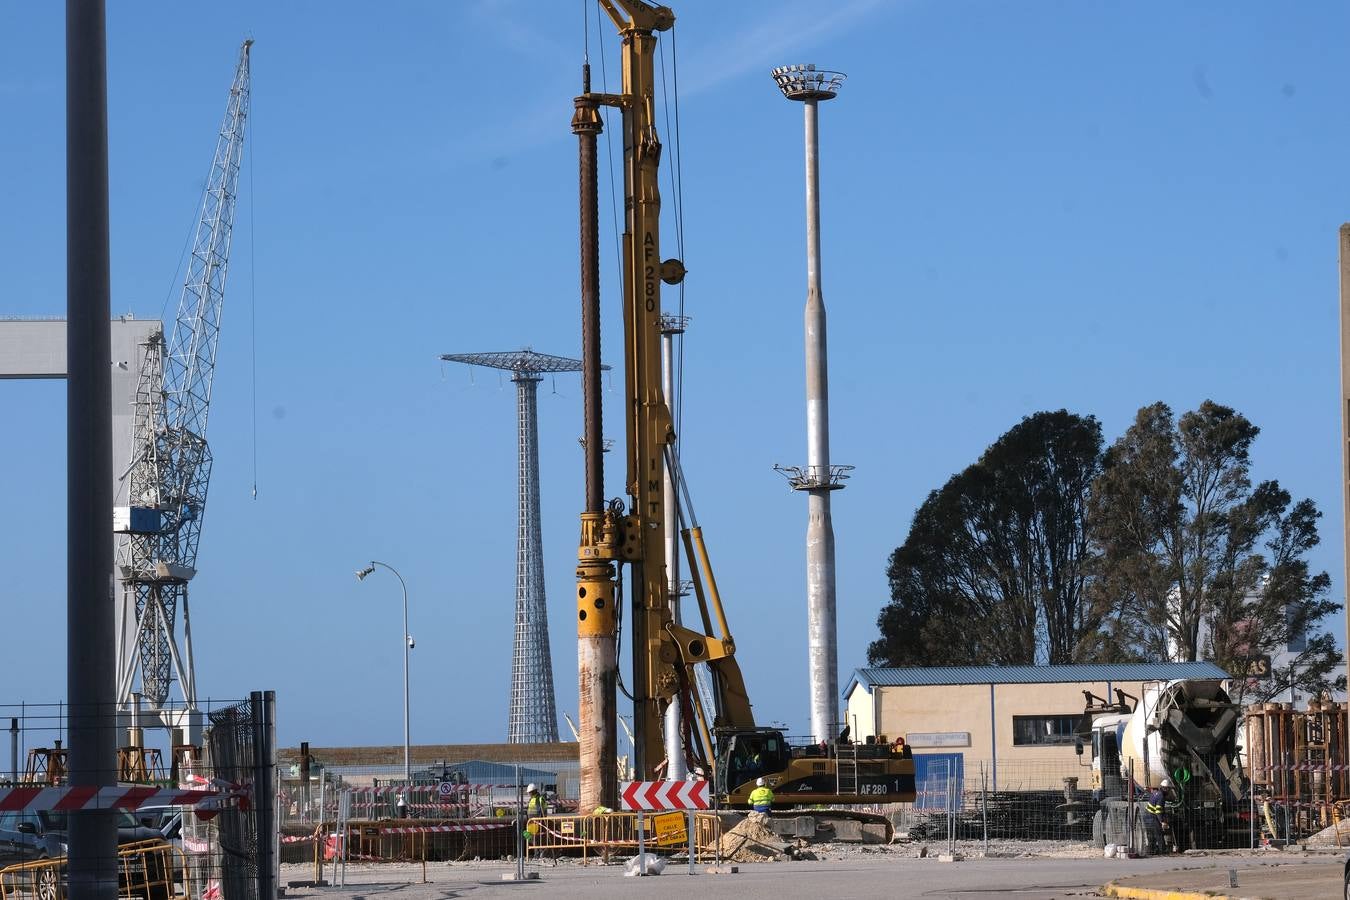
(171, 468)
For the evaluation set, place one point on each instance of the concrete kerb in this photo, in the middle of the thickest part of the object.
(1293, 880)
(1133, 893)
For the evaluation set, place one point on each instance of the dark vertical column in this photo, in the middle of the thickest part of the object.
(90, 666)
(304, 778)
(586, 125)
(597, 626)
(263, 706)
(1345, 422)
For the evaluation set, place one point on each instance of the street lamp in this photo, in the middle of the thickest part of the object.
(407, 645)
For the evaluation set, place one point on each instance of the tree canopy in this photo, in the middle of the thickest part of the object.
(996, 562)
(1049, 550)
(1196, 561)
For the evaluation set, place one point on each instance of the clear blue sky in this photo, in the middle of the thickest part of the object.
(1025, 206)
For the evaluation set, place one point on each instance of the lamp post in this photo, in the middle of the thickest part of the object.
(407, 645)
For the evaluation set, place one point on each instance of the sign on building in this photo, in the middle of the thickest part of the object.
(917, 739)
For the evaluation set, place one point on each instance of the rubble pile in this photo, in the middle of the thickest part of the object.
(752, 840)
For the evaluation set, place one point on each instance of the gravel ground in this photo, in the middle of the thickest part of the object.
(968, 849)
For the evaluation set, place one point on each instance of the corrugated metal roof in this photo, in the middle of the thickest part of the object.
(941, 675)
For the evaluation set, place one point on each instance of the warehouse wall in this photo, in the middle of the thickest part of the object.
(986, 713)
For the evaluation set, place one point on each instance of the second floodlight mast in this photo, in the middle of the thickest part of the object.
(818, 478)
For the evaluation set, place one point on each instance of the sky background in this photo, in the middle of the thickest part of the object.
(1025, 206)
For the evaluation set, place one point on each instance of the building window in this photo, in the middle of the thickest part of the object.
(1040, 730)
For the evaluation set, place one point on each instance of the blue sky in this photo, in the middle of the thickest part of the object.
(1025, 206)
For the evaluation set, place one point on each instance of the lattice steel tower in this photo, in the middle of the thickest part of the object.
(171, 464)
(533, 717)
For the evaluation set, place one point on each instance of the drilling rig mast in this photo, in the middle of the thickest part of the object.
(723, 743)
(171, 463)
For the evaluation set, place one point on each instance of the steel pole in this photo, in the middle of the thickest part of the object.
(407, 742)
(820, 577)
(91, 672)
(1345, 425)
(407, 732)
(597, 649)
(676, 769)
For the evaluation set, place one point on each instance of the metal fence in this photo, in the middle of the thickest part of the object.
(1033, 800)
(193, 821)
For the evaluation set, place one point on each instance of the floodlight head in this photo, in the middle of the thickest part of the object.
(361, 575)
(806, 82)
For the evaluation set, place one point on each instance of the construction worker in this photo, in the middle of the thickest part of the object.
(1155, 817)
(761, 798)
(535, 805)
(901, 749)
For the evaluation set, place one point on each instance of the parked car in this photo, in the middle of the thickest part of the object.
(53, 828)
(20, 840)
(48, 831)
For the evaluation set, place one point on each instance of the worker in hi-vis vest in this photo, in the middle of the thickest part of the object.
(536, 805)
(761, 798)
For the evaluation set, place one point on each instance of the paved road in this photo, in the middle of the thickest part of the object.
(1309, 879)
(930, 879)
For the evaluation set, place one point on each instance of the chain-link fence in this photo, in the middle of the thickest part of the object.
(191, 801)
(1033, 800)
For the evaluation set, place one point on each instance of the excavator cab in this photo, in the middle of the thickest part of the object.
(744, 756)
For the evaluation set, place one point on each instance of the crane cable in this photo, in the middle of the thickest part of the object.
(609, 147)
(252, 278)
(677, 194)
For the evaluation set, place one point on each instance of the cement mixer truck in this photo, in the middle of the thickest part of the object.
(1184, 730)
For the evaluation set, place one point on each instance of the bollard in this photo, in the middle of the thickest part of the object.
(691, 838)
(642, 846)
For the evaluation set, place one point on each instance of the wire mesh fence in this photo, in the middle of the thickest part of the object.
(1034, 800)
(188, 808)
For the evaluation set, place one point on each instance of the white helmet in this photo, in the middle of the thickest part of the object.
(1166, 782)
(759, 782)
(530, 789)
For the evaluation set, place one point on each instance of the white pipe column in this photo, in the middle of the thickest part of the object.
(676, 769)
(809, 85)
(823, 661)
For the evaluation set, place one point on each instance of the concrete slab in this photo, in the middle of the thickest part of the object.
(848, 830)
(795, 827)
(874, 833)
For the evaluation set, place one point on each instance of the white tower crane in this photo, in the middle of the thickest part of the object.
(171, 465)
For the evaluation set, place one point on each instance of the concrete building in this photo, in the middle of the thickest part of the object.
(1007, 717)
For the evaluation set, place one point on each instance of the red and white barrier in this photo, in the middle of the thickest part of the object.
(58, 799)
(649, 796)
(443, 829)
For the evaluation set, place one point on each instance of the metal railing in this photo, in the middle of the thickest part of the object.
(149, 870)
(609, 834)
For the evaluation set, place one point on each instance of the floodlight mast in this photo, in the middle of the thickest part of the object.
(818, 478)
(532, 717)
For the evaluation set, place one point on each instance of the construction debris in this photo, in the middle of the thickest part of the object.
(752, 840)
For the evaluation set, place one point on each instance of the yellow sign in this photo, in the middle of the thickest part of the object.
(669, 829)
(567, 826)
